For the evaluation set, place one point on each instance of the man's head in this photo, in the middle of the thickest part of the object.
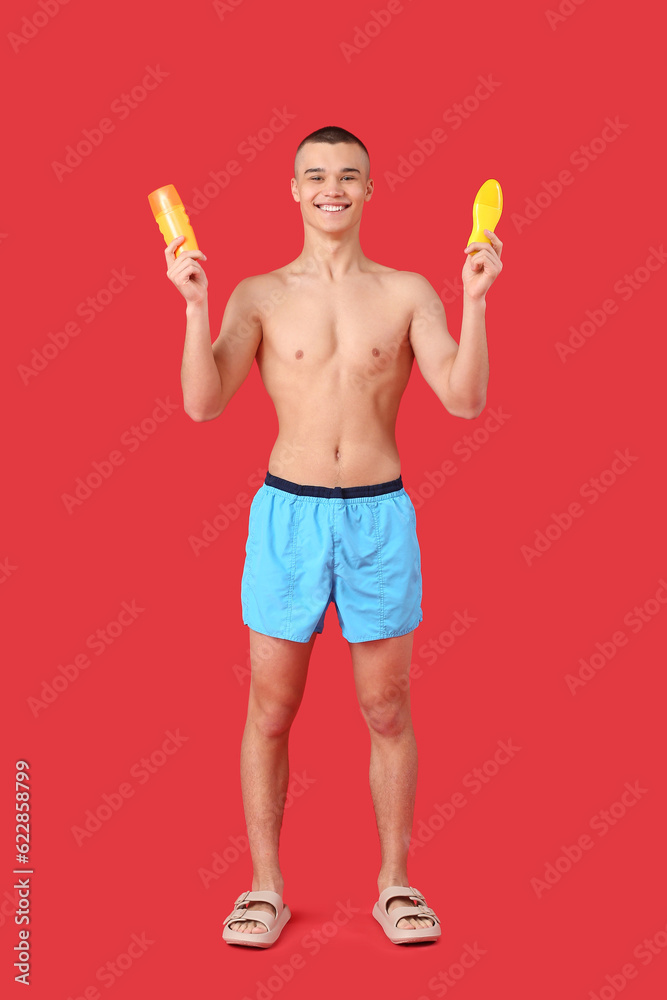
(332, 178)
(330, 134)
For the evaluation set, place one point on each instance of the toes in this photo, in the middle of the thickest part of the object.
(414, 923)
(246, 926)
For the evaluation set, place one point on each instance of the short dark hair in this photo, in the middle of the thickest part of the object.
(332, 134)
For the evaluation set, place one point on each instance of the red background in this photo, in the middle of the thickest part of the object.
(178, 666)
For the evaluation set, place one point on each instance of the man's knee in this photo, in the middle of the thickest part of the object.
(387, 708)
(272, 717)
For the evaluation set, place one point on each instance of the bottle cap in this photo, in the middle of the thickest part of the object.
(490, 194)
(164, 199)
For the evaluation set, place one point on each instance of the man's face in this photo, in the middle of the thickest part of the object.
(331, 184)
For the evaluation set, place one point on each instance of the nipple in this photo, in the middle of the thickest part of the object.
(486, 212)
(299, 354)
(375, 352)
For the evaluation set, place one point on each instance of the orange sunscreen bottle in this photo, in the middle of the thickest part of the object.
(486, 212)
(171, 217)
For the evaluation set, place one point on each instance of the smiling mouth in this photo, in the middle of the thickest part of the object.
(332, 208)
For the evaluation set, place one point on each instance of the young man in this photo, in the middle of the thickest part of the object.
(334, 335)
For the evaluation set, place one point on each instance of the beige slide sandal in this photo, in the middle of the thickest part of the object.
(274, 922)
(388, 921)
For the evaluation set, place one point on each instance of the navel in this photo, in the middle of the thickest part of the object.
(299, 354)
(375, 351)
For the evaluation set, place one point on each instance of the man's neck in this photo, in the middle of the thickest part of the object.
(331, 258)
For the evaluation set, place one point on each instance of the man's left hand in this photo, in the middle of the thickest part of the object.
(481, 269)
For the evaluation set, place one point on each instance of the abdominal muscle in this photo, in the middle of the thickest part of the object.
(335, 439)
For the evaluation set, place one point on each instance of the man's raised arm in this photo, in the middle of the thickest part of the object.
(437, 354)
(211, 373)
(458, 374)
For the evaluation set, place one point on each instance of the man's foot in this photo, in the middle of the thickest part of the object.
(266, 928)
(404, 922)
(253, 926)
(403, 927)
(415, 922)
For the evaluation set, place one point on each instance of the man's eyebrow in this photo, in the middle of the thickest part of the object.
(322, 170)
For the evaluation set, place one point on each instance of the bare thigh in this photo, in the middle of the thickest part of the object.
(278, 672)
(381, 676)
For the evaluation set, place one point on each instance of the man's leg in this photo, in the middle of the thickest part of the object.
(279, 669)
(383, 690)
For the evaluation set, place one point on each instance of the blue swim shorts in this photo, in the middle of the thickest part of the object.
(310, 545)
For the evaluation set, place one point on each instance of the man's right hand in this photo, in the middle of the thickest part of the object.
(187, 273)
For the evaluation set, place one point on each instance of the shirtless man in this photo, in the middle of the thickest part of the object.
(334, 335)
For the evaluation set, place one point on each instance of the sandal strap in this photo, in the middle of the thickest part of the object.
(261, 896)
(419, 907)
(400, 890)
(241, 912)
(426, 911)
(413, 911)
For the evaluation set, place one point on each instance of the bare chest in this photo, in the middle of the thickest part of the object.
(353, 328)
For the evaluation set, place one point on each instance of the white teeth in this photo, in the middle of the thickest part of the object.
(332, 208)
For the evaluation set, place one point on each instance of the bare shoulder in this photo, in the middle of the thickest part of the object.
(411, 279)
(259, 286)
(256, 285)
(253, 293)
(410, 286)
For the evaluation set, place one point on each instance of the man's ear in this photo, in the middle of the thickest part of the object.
(370, 185)
(295, 190)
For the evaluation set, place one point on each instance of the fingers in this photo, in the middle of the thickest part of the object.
(183, 273)
(495, 245)
(478, 253)
(188, 256)
(483, 257)
(495, 242)
(170, 251)
(180, 268)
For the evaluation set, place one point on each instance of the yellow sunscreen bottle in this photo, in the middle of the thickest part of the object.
(486, 212)
(171, 217)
